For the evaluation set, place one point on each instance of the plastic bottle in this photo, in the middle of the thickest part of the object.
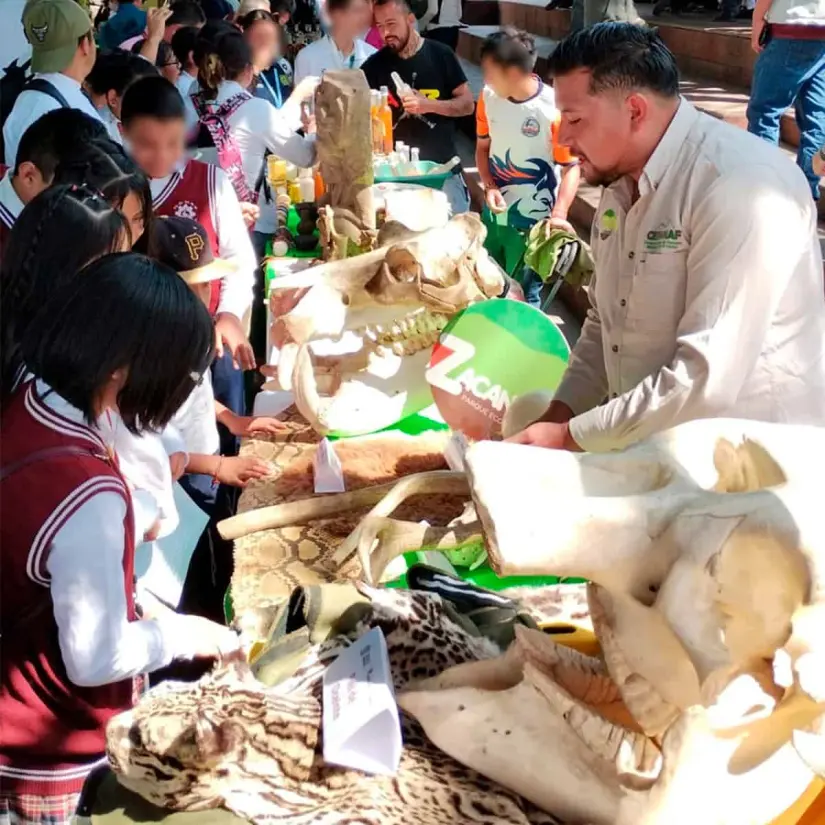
(386, 119)
(306, 182)
(376, 122)
(415, 160)
(320, 188)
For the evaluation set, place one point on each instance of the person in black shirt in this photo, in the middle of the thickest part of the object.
(425, 117)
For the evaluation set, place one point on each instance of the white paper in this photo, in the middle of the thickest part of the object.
(361, 725)
(329, 475)
(161, 566)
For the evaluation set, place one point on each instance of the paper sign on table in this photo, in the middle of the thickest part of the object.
(329, 474)
(161, 565)
(361, 725)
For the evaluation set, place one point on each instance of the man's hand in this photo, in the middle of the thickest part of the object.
(156, 23)
(207, 640)
(250, 212)
(415, 103)
(556, 222)
(153, 532)
(249, 425)
(557, 413)
(756, 35)
(546, 434)
(495, 200)
(238, 471)
(177, 464)
(230, 333)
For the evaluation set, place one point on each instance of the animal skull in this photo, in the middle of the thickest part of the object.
(355, 336)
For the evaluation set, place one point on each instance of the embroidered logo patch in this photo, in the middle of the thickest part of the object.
(530, 127)
(194, 243)
(186, 209)
(608, 223)
(662, 239)
(40, 32)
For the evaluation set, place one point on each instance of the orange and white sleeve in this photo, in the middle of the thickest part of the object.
(482, 126)
(561, 153)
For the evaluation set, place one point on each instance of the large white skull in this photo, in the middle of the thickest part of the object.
(355, 335)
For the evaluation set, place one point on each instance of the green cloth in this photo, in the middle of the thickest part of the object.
(504, 244)
(546, 256)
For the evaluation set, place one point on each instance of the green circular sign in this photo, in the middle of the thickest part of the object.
(488, 355)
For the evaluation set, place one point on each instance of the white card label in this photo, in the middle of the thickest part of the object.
(361, 725)
(329, 475)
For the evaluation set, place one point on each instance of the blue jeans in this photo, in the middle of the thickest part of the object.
(789, 71)
(457, 194)
(531, 283)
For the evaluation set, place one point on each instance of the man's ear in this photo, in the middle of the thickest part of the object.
(639, 107)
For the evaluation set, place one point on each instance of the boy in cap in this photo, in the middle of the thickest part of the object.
(183, 244)
(63, 53)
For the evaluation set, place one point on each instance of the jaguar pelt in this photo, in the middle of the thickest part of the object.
(229, 741)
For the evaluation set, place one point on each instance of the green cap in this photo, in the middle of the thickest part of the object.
(53, 27)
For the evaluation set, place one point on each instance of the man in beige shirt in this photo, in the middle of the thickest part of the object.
(708, 298)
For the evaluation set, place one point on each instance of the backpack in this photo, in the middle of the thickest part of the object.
(214, 120)
(14, 82)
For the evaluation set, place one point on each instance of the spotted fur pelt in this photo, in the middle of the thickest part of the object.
(229, 741)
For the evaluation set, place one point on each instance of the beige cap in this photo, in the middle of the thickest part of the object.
(247, 6)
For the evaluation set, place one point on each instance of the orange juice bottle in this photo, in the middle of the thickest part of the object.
(319, 183)
(376, 122)
(386, 120)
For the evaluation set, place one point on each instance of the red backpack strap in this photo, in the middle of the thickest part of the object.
(214, 119)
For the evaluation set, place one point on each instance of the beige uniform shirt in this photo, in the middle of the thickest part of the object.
(708, 298)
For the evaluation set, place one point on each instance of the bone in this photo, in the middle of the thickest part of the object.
(438, 482)
(306, 510)
(383, 539)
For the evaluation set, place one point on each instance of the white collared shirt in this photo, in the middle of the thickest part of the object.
(797, 12)
(10, 204)
(233, 241)
(111, 123)
(707, 299)
(84, 572)
(323, 55)
(257, 126)
(449, 18)
(31, 105)
(184, 83)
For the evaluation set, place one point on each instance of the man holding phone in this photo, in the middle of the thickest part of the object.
(789, 37)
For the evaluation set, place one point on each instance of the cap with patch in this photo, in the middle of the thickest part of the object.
(248, 6)
(183, 244)
(53, 28)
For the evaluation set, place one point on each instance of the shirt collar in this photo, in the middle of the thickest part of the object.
(669, 147)
(61, 82)
(10, 204)
(227, 89)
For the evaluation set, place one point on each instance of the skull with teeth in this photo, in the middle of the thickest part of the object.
(354, 336)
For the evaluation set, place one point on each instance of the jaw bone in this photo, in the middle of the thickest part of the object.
(356, 335)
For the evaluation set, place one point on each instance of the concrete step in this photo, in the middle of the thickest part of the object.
(709, 97)
(703, 46)
(726, 100)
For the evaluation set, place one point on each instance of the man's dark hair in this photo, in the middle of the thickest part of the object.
(55, 138)
(618, 56)
(510, 47)
(153, 97)
(114, 71)
(404, 5)
(186, 13)
(183, 43)
(123, 312)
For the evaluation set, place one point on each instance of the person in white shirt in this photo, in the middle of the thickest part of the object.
(442, 22)
(225, 72)
(342, 47)
(108, 79)
(789, 37)
(692, 315)
(183, 45)
(63, 53)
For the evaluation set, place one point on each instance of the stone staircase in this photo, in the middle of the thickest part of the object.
(715, 60)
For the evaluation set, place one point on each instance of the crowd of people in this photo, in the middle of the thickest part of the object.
(134, 216)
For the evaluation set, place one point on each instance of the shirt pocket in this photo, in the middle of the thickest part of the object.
(657, 298)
